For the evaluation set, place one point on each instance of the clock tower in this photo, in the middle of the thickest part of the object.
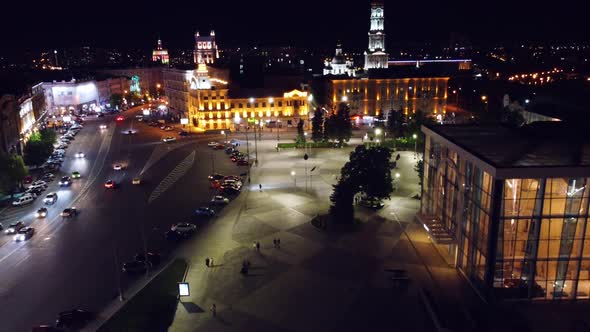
(375, 56)
(205, 48)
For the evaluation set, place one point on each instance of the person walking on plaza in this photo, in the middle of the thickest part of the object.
(211, 262)
(207, 261)
(258, 246)
(260, 187)
(274, 243)
(214, 310)
(279, 243)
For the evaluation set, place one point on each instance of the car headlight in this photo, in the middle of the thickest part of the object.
(37, 214)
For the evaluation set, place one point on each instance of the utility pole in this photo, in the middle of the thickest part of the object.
(256, 142)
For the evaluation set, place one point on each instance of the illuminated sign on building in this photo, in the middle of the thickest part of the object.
(135, 84)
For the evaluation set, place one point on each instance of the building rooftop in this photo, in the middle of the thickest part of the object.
(529, 151)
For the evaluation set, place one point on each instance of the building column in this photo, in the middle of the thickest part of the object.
(493, 228)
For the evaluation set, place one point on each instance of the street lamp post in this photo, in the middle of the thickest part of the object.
(223, 132)
(256, 142)
(377, 134)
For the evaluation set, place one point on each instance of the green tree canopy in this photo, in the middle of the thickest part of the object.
(300, 133)
(12, 172)
(338, 126)
(116, 99)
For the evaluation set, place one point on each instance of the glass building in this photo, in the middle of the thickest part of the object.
(510, 208)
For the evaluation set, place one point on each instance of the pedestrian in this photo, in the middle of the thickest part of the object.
(260, 186)
(258, 246)
(254, 245)
(274, 243)
(247, 263)
(278, 242)
(207, 261)
(211, 262)
(214, 310)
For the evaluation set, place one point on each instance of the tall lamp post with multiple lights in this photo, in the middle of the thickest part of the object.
(415, 137)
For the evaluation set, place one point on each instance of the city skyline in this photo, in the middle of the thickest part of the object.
(306, 24)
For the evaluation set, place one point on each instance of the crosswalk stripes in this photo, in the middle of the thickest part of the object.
(178, 172)
(160, 151)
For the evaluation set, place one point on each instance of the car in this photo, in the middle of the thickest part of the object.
(215, 184)
(39, 183)
(100, 115)
(212, 144)
(69, 212)
(65, 181)
(162, 127)
(204, 211)
(117, 167)
(79, 155)
(236, 158)
(219, 147)
(27, 198)
(120, 118)
(76, 175)
(233, 142)
(135, 267)
(232, 182)
(136, 181)
(110, 184)
(184, 228)
(41, 213)
(168, 139)
(35, 192)
(130, 132)
(168, 128)
(73, 318)
(24, 234)
(48, 177)
(233, 177)
(152, 258)
(231, 191)
(372, 203)
(28, 179)
(230, 150)
(183, 133)
(50, 198)
(243, 162)
(215, 176)
(219, 200)
(103, 126)
(37, 187)
(14, 227)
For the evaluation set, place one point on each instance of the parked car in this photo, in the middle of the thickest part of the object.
(73, 318)
(242, 162)
(168, 139)
(136, 181)
(110, 184)
(135, 267)
(219, 147)
(230, 150)
(215, 176)
(204, 212)
(174, 236)
(184, 228)
(212, 144)
(231, 191)
(24, 234)
(219, 200)
(23, 200)
(183, 133)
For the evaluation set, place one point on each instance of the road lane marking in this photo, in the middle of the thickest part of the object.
(178, 172)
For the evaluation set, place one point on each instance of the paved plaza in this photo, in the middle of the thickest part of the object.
(316, 280)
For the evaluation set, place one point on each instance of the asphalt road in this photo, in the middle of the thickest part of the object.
(76, 262)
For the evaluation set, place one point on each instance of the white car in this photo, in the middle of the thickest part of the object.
(50, 198)
(117, 167)
(219, 200)
(103, 126)
(14, 227)
(79, 155)
(184, 227)
(23, 200)
(212, 144)
(168, 139)
(39, 183)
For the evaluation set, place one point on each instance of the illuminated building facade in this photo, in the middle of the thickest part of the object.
(371, 96)
(375, 56)
(514, 220)
(160, 55)
(205, 48)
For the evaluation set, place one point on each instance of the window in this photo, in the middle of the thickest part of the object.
(280, 104)
(240, 105)
(256, 105)
(249, 105)
(214, 97)
(232, 105)
(263, 104)
(206, 98)
(221, 97)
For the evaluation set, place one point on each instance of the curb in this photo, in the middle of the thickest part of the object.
(115, 305)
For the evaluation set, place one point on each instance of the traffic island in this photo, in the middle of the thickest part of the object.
(153, 308)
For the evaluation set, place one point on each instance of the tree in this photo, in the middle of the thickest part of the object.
(368, 171)
(39, 146)
(300, 133)
(414, 126)
(12, 172)
(338, 126)
(380, 121)
(317, 125)
(395, 121)
(116, 99)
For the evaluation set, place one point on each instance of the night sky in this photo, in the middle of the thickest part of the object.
(303, 23)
